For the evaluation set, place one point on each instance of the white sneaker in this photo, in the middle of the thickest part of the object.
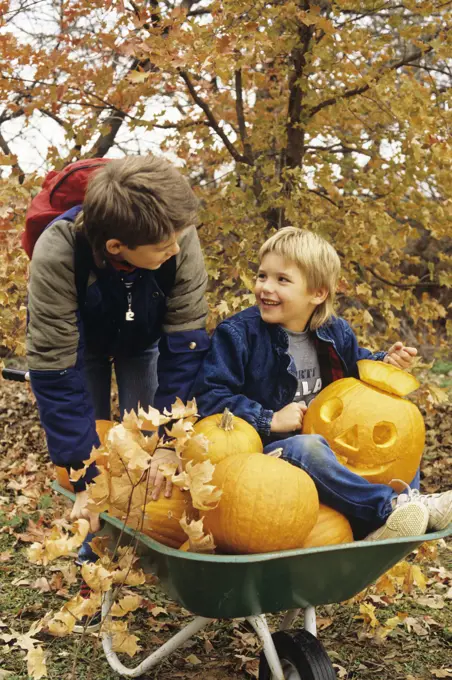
(410, 518)
(439, 506)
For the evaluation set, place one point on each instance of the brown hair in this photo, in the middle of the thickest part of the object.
(139, 200)
(315, 258)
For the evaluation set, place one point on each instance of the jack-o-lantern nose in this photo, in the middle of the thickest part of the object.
(349, 439)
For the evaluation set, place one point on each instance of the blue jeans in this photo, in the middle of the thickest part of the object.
(367, 506)
(136, 377)
(137, 384)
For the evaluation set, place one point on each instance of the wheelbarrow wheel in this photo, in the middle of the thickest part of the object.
(302, 657)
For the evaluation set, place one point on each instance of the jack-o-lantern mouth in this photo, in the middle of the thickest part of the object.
(366, 472)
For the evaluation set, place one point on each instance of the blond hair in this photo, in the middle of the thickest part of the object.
(316, 259)
(139, 200)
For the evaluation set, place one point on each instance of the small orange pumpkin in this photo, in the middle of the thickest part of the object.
(331, 528)
(102, 428)
(227, 435)
(373, 431)
(266, 505)
(162, 518)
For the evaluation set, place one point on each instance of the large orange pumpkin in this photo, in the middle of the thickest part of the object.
(227, 435)
(102, 429)
(331, 528)
(372, 431)
(267, 504)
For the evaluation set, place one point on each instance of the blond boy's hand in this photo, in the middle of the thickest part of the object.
(289, 418)
(400, 356)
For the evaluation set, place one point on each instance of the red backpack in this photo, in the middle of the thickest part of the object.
(60, 191)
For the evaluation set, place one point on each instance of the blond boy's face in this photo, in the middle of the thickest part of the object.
(282, 294)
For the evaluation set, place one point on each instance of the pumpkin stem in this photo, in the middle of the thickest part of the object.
(226, 422)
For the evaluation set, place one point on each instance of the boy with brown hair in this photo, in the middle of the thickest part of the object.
(118, 281)
(267, 363)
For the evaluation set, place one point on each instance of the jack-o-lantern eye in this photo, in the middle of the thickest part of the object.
(384, 434)
(331, 409)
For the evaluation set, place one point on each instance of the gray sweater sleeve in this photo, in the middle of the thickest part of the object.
(186, 303)
(52, 332)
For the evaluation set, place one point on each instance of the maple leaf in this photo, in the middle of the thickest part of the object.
(129, 603)
(61, 624)
(199, 540)
(36, 665)
(97, 577)
(196, 478)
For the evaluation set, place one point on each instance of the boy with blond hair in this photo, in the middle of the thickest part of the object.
(267, 363)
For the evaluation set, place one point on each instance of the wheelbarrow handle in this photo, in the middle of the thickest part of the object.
(16, 374)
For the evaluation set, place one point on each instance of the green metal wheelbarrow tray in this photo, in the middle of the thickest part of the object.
(249, 586)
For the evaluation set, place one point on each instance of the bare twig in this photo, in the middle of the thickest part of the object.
(240, 158)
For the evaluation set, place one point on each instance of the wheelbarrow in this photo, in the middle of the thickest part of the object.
(250, 586)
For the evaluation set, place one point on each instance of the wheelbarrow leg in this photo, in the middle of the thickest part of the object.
(289, 618)
(309, 620)
(260, 625)
(161, 653)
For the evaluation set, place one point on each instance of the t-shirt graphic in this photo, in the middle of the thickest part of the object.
(303, 351)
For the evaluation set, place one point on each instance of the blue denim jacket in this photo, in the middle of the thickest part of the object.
(249, 371)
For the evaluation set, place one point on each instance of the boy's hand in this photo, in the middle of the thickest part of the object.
(289, 418)
(157, 480)
(80, 511)
(400, 356)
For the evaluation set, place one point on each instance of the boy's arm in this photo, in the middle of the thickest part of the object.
(221, 380)
(54, 354)
(184, 341)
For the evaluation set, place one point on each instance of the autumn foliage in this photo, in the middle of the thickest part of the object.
(327, 115)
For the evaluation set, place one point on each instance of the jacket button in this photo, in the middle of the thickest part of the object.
(192, 345)
(155, 294)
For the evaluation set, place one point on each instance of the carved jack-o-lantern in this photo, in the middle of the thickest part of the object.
(371, 429)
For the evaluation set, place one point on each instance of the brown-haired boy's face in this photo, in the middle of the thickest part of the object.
(150, 256)
(282, 294)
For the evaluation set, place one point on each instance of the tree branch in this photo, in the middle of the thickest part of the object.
(394, 284)
(338, 148)
(53, 117)
(323, 195)
(406, 61)
(295, 134)
(241, 116)
(4, 146)
(212, 120)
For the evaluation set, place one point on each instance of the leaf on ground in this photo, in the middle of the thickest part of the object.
(433, 602)
(193, 660)
(42, 585)
(126, 604)
(36, 665)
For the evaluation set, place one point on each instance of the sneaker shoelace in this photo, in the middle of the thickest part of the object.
(408, 495)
